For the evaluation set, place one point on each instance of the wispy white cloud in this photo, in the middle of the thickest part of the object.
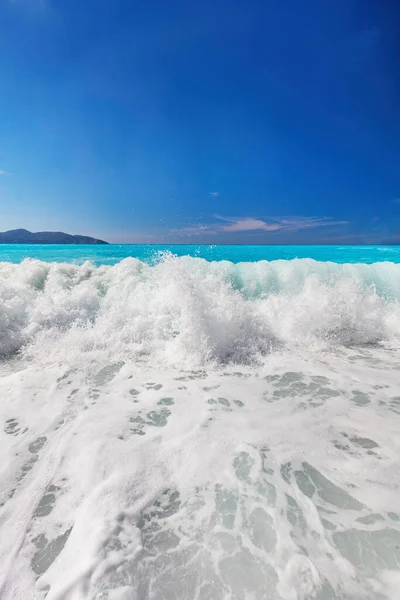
(297, 223)
(195, 229)
(396, 201)
(248, 224)
(213, 194)
(3, 172)
(274, 223)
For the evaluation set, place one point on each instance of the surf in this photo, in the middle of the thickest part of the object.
(185, 311)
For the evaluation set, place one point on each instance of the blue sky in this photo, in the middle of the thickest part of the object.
(174, 121)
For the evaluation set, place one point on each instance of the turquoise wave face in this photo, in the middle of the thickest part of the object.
(112, 254)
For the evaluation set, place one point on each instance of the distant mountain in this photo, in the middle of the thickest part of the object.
(22, 236)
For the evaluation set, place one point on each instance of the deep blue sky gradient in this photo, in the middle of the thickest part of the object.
(176, 121)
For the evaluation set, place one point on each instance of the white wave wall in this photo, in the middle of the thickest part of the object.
(188, 312)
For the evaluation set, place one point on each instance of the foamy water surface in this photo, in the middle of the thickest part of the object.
(184, 429)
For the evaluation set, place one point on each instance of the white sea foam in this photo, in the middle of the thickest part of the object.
(199, 431)
(186, 311)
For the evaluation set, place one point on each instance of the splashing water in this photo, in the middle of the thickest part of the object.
(199, 430)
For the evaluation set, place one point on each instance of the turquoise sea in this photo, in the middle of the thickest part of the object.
(113, 253)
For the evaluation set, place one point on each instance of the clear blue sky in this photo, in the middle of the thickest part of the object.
(206, 121)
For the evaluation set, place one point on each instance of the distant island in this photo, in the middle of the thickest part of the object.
(23, 236)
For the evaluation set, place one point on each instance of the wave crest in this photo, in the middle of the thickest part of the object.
(187, 312)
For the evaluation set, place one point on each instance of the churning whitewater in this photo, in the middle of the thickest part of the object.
(194, 430)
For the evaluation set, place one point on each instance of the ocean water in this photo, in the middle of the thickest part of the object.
(112, 254)
(199, 423)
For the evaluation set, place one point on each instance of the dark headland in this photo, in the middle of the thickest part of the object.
(22, 236)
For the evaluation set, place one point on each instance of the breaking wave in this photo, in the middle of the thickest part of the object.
(188, 312)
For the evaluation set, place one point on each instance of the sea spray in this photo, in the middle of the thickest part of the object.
(188, 312)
